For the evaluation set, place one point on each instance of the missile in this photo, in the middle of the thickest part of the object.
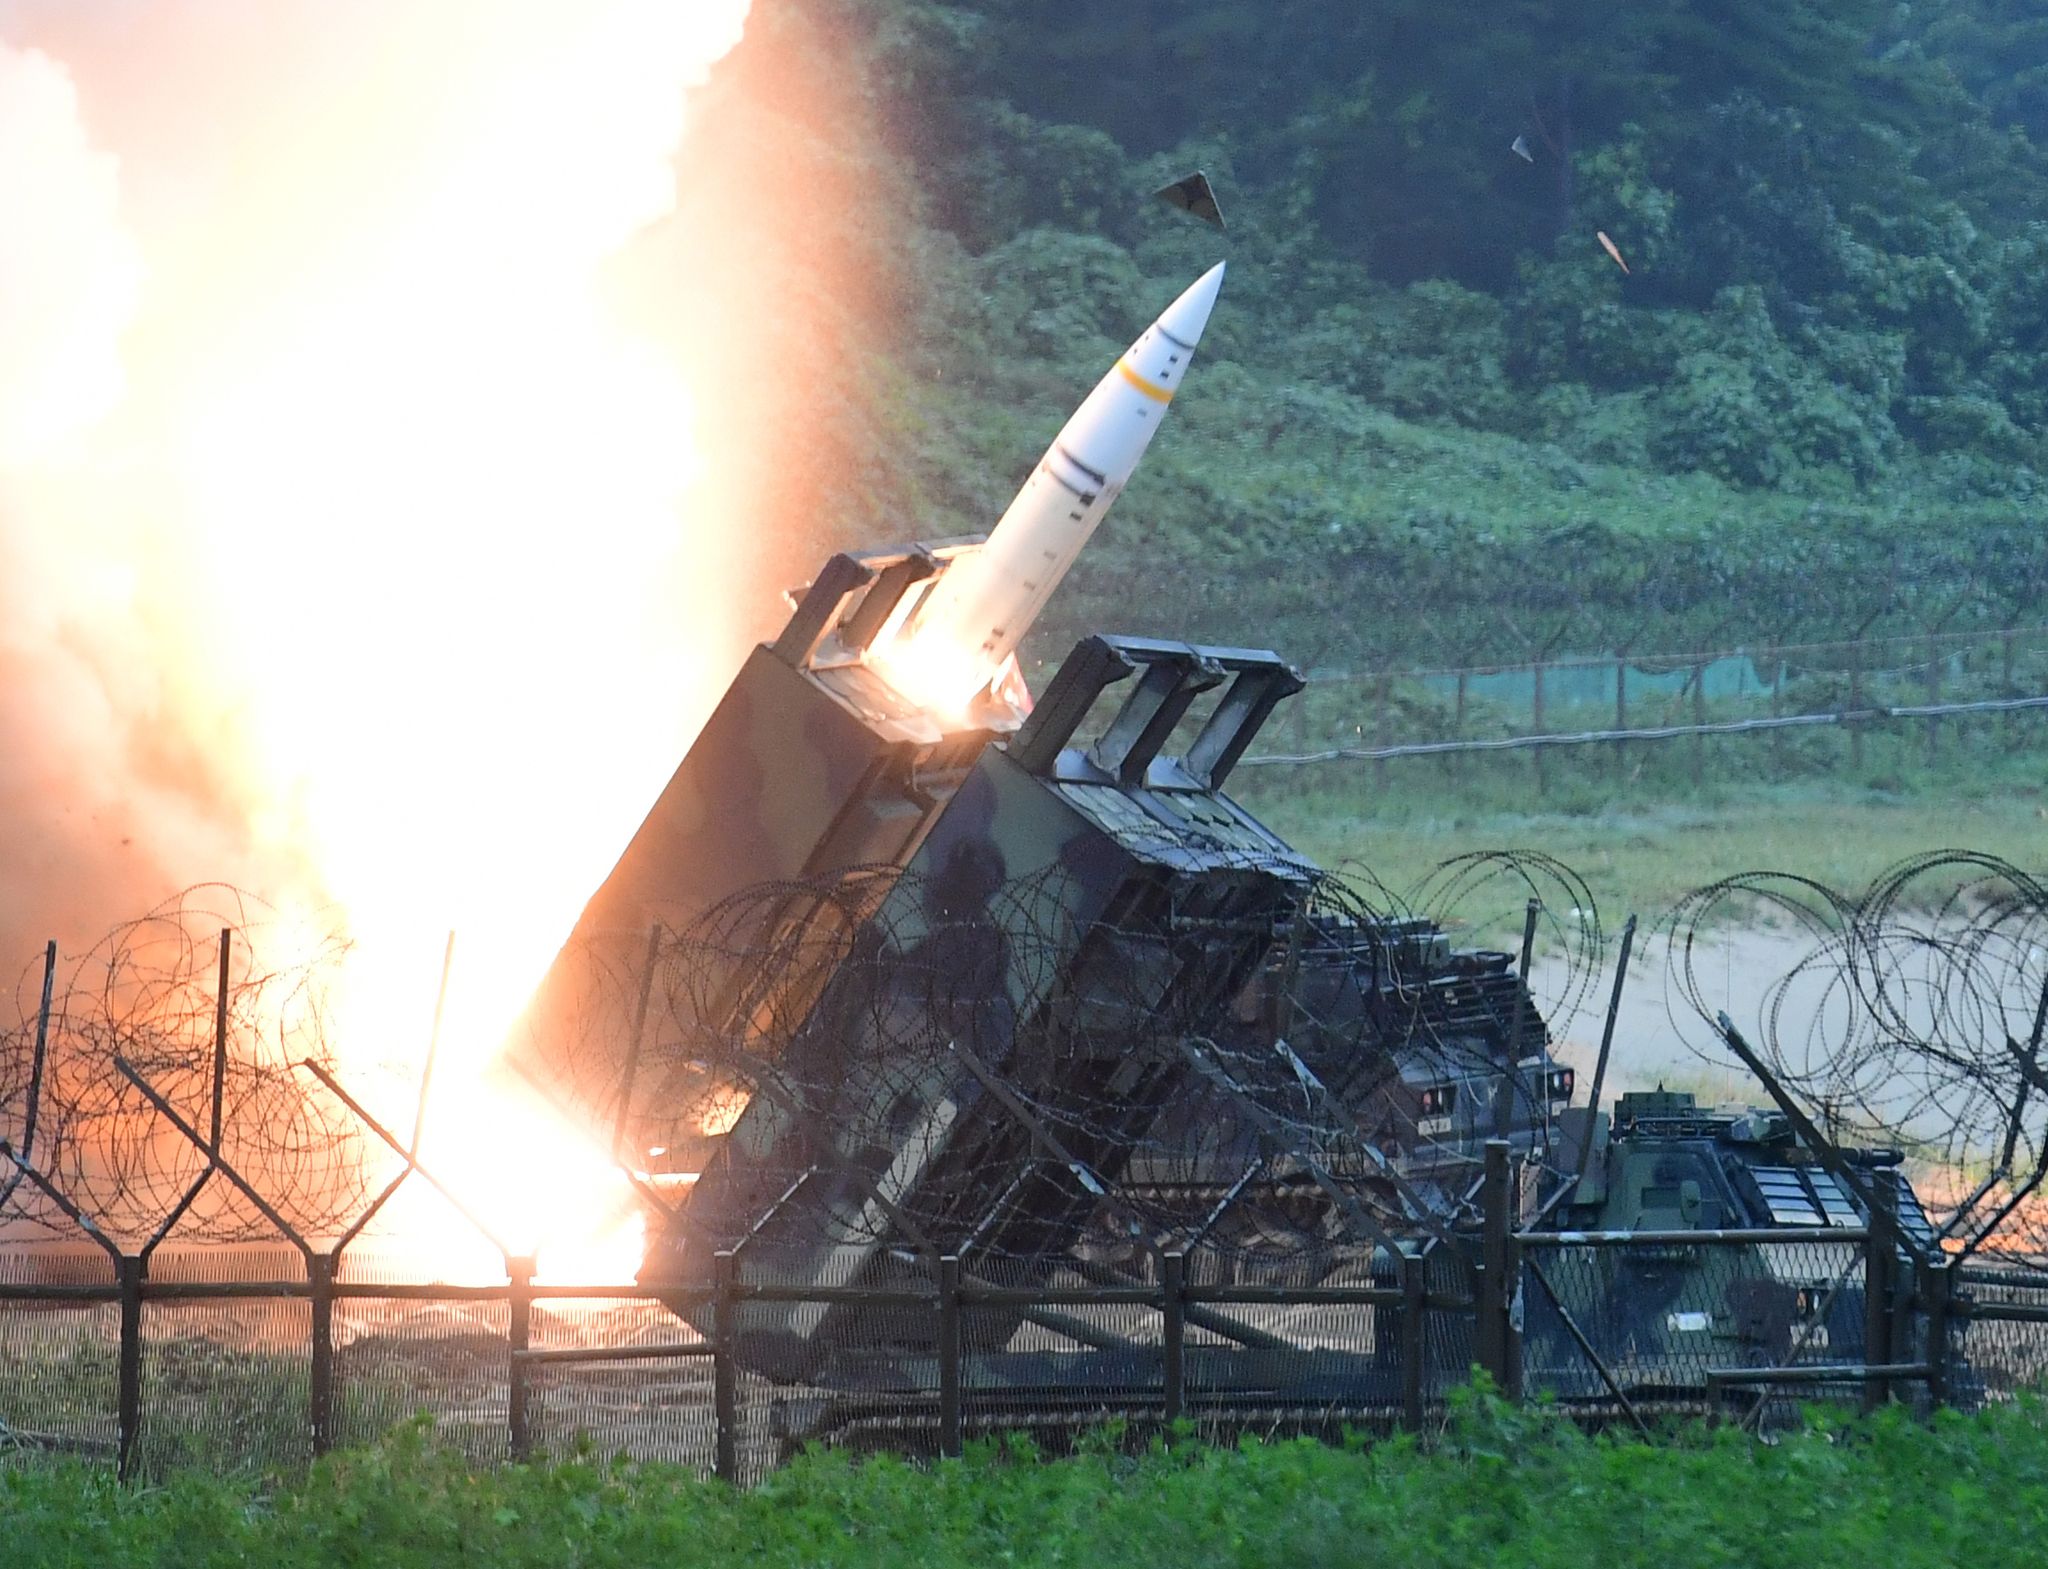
(835, 748)
(965, 633)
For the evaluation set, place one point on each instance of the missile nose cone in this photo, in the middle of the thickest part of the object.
(1185, 318)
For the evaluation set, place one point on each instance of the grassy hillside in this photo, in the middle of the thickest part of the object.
(1642, 853)
(1432, 415)
(1432, 423)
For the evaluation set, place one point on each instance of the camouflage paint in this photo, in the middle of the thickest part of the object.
(809, 765)
(1066, 928)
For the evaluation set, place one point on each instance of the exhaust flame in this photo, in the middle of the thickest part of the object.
(348, 533)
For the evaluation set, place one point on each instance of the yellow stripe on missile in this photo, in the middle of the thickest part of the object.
(1144, 384)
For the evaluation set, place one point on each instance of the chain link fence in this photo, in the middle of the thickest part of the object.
(1810, 707)
(192, 1270)
(216, 1363)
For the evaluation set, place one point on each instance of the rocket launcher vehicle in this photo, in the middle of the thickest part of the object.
(936, 961)
(835, 747)
(1009, 1024)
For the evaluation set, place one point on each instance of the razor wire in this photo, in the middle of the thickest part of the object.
(1009, 1068)
(150, 994)
(1911, 1014)
(853, 1005)
(957, 1067)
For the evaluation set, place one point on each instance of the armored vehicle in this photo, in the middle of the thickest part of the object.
(1003, 1033)
(1661, 1315)
(1430, 1051)
(1435, 1049)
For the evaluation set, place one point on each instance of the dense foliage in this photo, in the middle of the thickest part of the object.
(1502, 1487)
(1821, 392)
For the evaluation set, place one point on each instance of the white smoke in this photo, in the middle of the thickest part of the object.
(68, 270)
(345, 547)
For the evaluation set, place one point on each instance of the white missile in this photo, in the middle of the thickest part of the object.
(965, 632)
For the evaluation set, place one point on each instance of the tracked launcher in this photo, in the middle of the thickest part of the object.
(834, 748)
(901, 967)
(973, 1081)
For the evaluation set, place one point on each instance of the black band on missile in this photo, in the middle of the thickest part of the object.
(1065, 484)
(1097, 475)
(1185, 348)
(1085, 497)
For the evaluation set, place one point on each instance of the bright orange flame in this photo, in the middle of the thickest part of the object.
(539, 1189)
(419, 580)
(948, 682)
(721, 1109)
(940, 677)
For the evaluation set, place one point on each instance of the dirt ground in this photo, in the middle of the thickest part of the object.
(1661, 1039)
(1658, 1038)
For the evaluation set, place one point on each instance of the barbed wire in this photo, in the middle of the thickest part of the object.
(149, 993)
(1028, 1068)
(974, 1062)
(1910, 1014)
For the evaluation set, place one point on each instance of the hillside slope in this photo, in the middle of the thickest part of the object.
(1432, 412)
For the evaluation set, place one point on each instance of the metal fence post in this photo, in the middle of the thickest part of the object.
(1173, 1322)
(1933, 695)
(1777, 711)
(1880, 1256)
(1936, 1292)
(320, 1376)
(1459, 704)
(1621, 710)
(518, 1338)
(1504, 1092)
(129, 1269)
(1699, 719)
(1536, 727)
(2006, 687)
(949, 1356)
(1383, 733)
(1413, 1351)
(1491, 1332)
(724, 1388)
(1900, 1340)
(1856, 701)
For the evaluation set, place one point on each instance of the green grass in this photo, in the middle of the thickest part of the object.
(1643, 853)
(1501, 1486)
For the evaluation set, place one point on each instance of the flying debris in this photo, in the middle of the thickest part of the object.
(1520, 148)
(1611, 249)
(1193, 194)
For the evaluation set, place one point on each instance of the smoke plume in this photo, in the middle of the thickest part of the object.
(351, 547)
